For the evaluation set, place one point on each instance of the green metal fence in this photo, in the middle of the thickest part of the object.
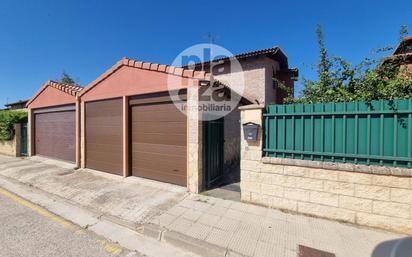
(372, 133)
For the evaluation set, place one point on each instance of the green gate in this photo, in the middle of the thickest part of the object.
(23, 139)
(213, 154)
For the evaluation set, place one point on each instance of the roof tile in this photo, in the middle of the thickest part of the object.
(70, 89)
(138, 64)
(178, 71)
(162, 68)
(154, 66)
(188, 73)
(146, 65)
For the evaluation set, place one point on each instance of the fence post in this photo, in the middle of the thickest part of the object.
(251, 151)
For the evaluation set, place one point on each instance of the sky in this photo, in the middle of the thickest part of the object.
(41, 39)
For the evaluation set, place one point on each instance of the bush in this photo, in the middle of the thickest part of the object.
(372, 79)
(7, 119)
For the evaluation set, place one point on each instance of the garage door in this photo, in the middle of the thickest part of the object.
(104, 136)
(158, 140)
(55, 135)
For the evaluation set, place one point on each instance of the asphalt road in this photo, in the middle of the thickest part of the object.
(29, 230)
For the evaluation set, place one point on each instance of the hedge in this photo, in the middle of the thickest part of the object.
(7, 119)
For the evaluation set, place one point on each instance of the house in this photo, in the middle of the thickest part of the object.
(53, 122)
(19, 105)
(402, 55)
(261, 73)
(128, 123)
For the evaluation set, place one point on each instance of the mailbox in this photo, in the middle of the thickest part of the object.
(250, 131)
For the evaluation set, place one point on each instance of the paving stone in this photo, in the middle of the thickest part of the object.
(219, 237)
(209, 219)
(269, 250)
(180, 225)
(238, 206)
(228, 224)
(177, 211)
(250, 231)
(243, 245)
(199, 231)
(192, 214)
(166, 219)
(217, 210)
(233, 214)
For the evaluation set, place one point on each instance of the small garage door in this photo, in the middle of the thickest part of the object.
(158, 140)
(104, 150)
(55, 135)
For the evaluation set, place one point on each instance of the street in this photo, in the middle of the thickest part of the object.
(29, 230)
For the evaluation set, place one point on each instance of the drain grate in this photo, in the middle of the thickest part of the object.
(305, 251)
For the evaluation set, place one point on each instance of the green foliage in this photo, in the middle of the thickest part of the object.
(66, 79)
(403, 31)
(340, 81)
(7, 119)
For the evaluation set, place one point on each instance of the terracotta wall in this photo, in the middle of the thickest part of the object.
(128, 81)
(52, 97)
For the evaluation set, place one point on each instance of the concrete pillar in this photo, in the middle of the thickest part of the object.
(250, 113)
(82, 135)
(194, 143)
(78, 133)
(125, 136)
(30, 133)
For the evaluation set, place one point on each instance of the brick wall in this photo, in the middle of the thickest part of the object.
(256, 76)
(381, 201)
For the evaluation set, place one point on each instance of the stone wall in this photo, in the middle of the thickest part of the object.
(357, 196)
(11, 147)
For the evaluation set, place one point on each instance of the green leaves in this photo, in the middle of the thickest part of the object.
(7, 119)
(371, 79)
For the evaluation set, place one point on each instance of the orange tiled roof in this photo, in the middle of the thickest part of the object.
(71, 89)
(172, 70)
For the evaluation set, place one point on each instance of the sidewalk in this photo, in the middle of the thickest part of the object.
(169, 214)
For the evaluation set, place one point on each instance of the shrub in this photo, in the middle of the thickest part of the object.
(7, 119)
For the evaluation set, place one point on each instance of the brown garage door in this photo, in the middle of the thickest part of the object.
(55, 135)
(104, 136)
(158, 140)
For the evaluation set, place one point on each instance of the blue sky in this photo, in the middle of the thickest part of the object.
(41, 39)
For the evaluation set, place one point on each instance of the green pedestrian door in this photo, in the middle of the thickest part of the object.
(23, 139)
(213, 151)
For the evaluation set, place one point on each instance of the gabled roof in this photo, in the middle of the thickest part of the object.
(17, 103)
(401, 46)
(275, 53)
(69, 89)
(171, 70)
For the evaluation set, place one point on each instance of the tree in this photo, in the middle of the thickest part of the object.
(403, 31)
(371, 79)
(66, 79)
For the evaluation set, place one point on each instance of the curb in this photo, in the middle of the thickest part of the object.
(147, 230)
(188, 243)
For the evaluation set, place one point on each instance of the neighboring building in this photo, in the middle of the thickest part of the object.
(403, 55)
(19, 105)
(261, 73)
(262, 70)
